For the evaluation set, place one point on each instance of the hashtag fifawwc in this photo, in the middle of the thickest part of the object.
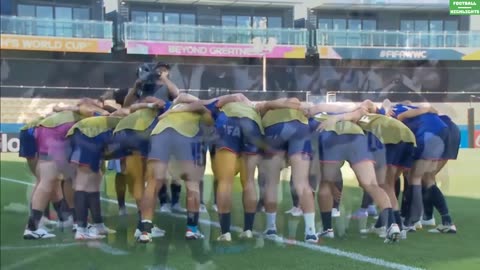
(401, 54)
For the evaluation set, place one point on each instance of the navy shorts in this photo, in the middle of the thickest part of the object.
(126, 141)
(378, 150)
(291, 137)
(334, 148)
(28, 144)
(169, 144)
(87, 151)
(452, 140)
(210, 148)
(430, 146)
(400, 154)
(239, 135)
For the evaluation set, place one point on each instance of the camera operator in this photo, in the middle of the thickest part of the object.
(152, 80)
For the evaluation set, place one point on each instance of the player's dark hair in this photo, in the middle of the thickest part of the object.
(119, 95)
(109, 108)
(162, 64)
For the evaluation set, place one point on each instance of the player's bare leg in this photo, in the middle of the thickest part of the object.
(329, 172)
(366, 176)
(271, 166)
(156, 175)
(47, 173)
(300, 172)
(249, 163)
(225, 170)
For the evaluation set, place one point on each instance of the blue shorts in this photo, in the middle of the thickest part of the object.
(115, 165)
(452, 140)
(334, 148)
(170, 144)
(239, 135)
(210, 148)
(292, 137)
(89, 151)
(378, 150)
(28, 144)
(126, 141)
(430, 146)
(400, 154)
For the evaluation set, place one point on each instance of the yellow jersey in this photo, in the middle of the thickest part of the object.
(140, 120)
(240, 110)
(32, 123)
(341, 127)
(60, 118)
(387, 129)
(185, 123)
(273, 117)
(93, 126)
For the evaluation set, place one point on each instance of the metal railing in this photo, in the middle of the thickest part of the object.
(358, 96)
(56, 28)
(446, 39)
(212, 34)
(56, 92)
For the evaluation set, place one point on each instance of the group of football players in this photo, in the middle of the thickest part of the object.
(154, 134)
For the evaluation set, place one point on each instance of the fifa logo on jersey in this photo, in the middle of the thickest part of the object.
(365, 119)
(232, 130)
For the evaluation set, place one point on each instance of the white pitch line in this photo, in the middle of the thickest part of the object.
(324, 249)
(39, 246)
(29, 259)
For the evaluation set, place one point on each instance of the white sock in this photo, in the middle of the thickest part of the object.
(146, 221)
(309, 223)
(271, 221)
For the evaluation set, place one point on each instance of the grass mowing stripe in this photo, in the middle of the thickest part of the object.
(328, 250)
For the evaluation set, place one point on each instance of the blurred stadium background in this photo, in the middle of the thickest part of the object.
(56, 51)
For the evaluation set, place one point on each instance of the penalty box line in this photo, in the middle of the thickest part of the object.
(324, 249)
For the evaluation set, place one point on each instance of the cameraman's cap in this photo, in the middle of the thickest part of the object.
(162, 64)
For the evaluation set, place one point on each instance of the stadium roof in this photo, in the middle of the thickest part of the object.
(382, 4)
(256, 3)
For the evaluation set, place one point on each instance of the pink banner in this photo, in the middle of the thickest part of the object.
(212, 49)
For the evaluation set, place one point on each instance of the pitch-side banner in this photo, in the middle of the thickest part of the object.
(57, 44)
(213, 49)
(399, 53)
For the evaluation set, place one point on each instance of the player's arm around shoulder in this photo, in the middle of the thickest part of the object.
(195, 107)
(223, 100)
(122, 112)
(149, 102)
(185, 98)
(414, 112)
